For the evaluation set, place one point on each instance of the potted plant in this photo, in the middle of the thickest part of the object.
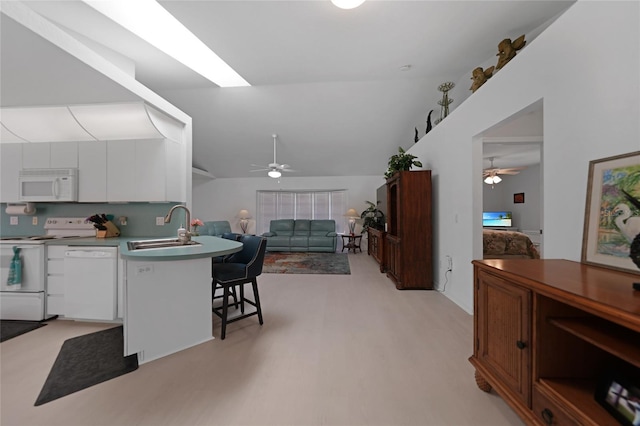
(400, 162)
(372, 217)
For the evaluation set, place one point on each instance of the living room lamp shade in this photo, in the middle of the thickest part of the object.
(244, 220)
(347, 4)
(352, 214)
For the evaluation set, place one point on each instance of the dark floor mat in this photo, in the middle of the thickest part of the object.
(10, 329)
(85, 361)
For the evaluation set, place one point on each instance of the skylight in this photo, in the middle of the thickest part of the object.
(150, 21)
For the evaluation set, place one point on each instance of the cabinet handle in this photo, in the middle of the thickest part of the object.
(547, 416)
(520, 344)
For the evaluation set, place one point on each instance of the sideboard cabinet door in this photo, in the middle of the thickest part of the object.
(504, 333)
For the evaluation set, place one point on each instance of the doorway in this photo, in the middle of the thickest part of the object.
(513, 151)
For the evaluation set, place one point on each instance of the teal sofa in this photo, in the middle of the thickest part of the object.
(301, 235)
(215, 228)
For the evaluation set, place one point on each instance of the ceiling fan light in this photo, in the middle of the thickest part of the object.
(488, 180)
(497, 179)
(347, 4)
(274, 174)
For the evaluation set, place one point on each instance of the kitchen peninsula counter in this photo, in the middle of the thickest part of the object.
(165, 293)
(167, 296)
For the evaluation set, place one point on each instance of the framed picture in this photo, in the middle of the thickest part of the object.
(620, 397)
(611, 236)
(518, 198)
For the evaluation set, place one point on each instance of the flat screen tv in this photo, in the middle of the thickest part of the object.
(500, 219)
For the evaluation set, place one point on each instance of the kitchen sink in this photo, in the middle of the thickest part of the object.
(158, 244)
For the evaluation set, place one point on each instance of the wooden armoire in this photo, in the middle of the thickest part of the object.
(408, 252)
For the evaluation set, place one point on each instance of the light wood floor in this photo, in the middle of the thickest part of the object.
(334, 350)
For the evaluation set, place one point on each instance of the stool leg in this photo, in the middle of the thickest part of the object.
(242, 298)
(235, 296)
(256, 298)
(225, 307)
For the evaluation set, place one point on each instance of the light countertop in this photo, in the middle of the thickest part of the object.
(208, 247)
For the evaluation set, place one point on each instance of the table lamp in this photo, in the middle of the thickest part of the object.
(352, 214)
(244, 220)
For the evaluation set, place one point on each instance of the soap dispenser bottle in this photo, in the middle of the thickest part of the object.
(182, 234)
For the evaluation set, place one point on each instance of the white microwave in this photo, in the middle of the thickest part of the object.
(41, 185)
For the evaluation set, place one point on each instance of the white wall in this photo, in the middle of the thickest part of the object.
(222, 199)
(587, 76)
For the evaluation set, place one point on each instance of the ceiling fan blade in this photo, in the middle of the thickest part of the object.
(288, 170)
(259, 170)
(510, 171)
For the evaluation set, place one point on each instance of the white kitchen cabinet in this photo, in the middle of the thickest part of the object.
(64, 155)
(92, 172)
(145, 170)
(55, 155)
(176, 172)
(10, 165)
(121, 174)
(55, 280)
(36, 155)
(150, 171)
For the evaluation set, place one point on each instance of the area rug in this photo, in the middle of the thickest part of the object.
(306, 263)
(85, 361)
(10, 329)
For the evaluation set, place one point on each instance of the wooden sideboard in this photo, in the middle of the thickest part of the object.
(375, 246)
(546, 330)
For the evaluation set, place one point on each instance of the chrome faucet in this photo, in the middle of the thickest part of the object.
(186, 237)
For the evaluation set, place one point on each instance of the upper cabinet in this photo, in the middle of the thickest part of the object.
(145, 171)
(10, 165)
(127, 152)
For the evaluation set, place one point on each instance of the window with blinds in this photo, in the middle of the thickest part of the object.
(273, 205)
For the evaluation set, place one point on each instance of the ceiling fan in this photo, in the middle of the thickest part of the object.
(274, 169)
(491, 175)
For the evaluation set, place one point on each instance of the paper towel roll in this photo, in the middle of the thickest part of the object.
(21, 209)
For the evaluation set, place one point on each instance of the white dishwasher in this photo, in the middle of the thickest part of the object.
(90, 282)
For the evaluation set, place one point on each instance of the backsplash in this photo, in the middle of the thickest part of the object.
(141, 218)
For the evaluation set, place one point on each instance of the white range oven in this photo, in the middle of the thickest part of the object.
(28, 300)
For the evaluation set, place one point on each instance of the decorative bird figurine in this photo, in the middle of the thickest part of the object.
(507, 50)
(429, 126)
(628, 225)
(479, 77)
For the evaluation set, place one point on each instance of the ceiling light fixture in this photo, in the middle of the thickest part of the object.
(347, 4)
(274, 174)
(490, 180)
(150, 21)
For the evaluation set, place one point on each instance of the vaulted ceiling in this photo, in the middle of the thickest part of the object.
(328, 81)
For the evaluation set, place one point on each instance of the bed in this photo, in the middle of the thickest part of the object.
(507, 245)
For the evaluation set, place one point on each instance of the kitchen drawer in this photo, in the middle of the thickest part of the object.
(55, 285)
(22, 306)
(55, 305)
(56, 252)
(55, 266)
(548, 412)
